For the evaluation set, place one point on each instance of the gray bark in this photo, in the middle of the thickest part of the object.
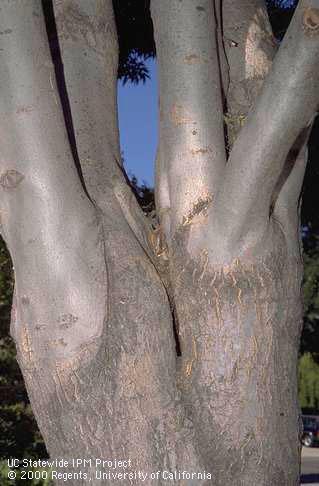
(92, 319)
(235, 259)
(191, 120)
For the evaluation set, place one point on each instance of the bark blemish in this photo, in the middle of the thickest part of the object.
(200, 8)
(40, 327)
(200, 151)
(158, 243)
(24, 109)
(6, 31)
(75, 25)
(311, 21)
(26, 346)
(67, 320)
(204, 255)
(63, 384)
(25, 300)
(259, 47)
(189, 365)
(180, 116)
(192, 59)
(56, 343)
(199, 207)
(11, 179)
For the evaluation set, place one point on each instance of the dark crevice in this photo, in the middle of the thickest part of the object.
(175, 330)
(221, 47)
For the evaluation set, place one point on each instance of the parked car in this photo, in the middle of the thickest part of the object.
(310, 436)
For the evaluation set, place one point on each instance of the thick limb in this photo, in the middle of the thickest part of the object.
(41, 195)
(238, 305)
(285, 107)
(91, 318)
(191, 114)
(88, 39)
(249, 47)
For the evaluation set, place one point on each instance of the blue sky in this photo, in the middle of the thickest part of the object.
(138, 122)
(138, 108)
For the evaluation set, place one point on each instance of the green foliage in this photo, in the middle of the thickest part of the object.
(37, 477)
(311, 286)
(19, 434)
(136, 39)
(308, 382)
(310, 335)
(6, 288)
(144, 195)
(310, 193)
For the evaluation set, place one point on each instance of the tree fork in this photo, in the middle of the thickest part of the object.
(235, 265)
(91, 317)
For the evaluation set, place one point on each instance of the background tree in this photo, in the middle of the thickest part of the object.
(308, 383)
(230, 291)
(19, 434)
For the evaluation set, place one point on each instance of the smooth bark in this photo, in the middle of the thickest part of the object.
(235, 266)
(91, 317)
(191, 117)
(285, 107)
(89, 51)
(95, 296)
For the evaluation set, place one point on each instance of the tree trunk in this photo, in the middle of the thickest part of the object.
(95, 298)
(239, 333)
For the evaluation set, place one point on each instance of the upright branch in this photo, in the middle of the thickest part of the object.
(191, 146)
(286, 203)
(286, 106)
(40, 196)
(236, 287)
(89, 51)
(91, 318)
(249, 46)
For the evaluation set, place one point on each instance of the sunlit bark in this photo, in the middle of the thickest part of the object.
(95, 296)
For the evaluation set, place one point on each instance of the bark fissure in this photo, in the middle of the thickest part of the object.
(175, 347)
(237, 328)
